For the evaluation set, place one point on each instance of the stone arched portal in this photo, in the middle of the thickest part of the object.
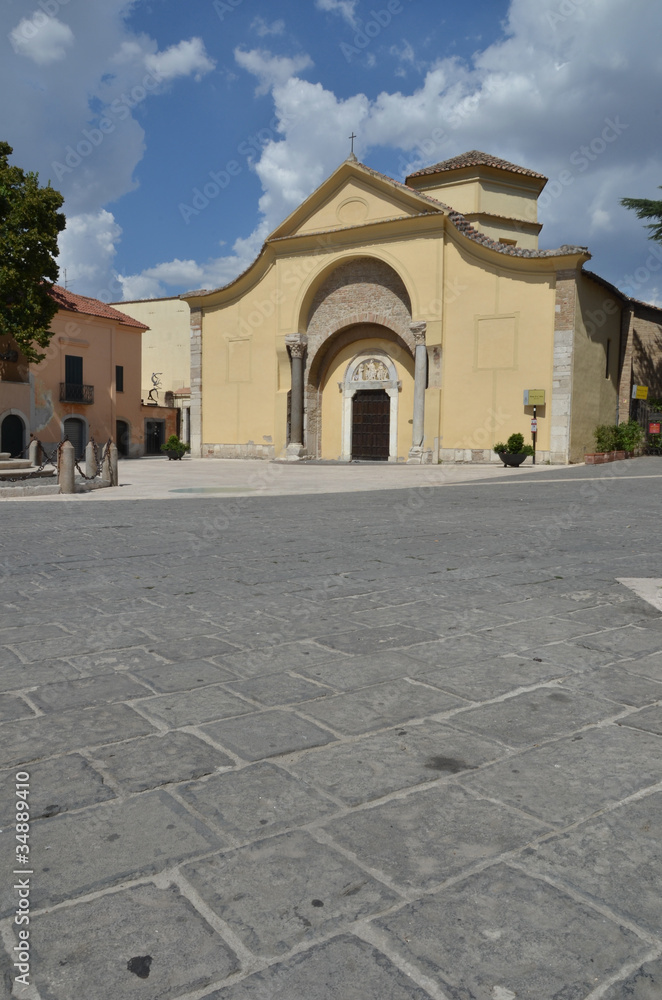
(359, 293)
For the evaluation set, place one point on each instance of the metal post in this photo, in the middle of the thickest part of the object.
(535, 434)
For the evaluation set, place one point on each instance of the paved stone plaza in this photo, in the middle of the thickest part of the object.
(386, 744)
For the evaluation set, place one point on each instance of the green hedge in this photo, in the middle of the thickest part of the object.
(619, 437)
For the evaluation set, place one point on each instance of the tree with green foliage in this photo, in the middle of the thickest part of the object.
(646, 208)
(29, 227)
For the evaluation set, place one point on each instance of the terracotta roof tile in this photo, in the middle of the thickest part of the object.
(474, 158)
(91, 307)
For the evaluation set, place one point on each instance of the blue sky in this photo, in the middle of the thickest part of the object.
(129, 107)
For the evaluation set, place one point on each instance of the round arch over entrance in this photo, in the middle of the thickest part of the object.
(12, 434)
(357, 365)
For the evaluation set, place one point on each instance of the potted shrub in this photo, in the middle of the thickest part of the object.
(174, 448)
(514, 451)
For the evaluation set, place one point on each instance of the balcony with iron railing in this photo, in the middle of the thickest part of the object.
(72, 393)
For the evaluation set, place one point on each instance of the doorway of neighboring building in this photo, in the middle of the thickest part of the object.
(122, 438)
(12, 435)
(154, 436)
(74, 429)
(371, 425)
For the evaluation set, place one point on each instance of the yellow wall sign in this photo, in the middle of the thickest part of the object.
(534, 397)
(640, 392)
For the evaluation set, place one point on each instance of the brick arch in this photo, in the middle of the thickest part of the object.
(361, 290)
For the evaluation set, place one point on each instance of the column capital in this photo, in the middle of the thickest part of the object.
(297, 343)
(418, 332)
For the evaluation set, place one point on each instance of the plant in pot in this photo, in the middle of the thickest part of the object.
(174, 448)
(514, 451)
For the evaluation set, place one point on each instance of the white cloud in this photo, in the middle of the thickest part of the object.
(263, 28)
(404, 53)
(561, 95)
(173, 276)
(41, 38)
(187, 58)
(542, 95)
(345, 8)
(87, 252)
(271, 71)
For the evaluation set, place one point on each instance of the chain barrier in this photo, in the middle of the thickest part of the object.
(54, 460)
(51, 459)
(97, 462)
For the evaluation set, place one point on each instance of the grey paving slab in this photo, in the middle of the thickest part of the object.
(647, 666)
(500, 934)
(614, 857)
(143, 942)
(457, 650)
(618, 684)
(56, 786)
(14, 707)
(158, 760)
(644, 984)
(626, 641)
(576, 657)
(102, 845)
(94, 638)
(15, 676)
(571, 778)
(308, 888)
(492, 677)
(649, 719)
(614, 614)
(347, 673)
(370, 768)
(86, 691)
(529, 718)
(530, 633)
(267, 734)
(345, 968)
(257, 800)
(381, 705)
(9, 658)
(269, 659)
(423, 839)
(193, 648)
(184, 676)
(133, 658)
(279, 689)
(371, 640)
(24, 741)
(188, 708)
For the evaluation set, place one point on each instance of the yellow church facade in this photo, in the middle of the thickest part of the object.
(403, 322)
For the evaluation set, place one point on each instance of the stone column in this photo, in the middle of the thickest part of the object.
(420, 385)
(66, 469)
(90, 460)
(297, 344)
(34, 453)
